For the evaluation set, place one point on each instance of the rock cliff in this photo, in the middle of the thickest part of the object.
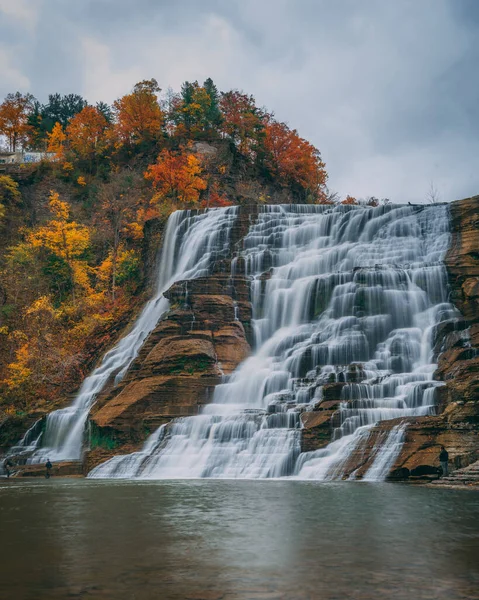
(203, 337)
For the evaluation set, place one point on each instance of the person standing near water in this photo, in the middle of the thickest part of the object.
(7, 466)
(48, 467)
(444, 460)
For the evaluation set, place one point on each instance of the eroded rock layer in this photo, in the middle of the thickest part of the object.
(204, 336)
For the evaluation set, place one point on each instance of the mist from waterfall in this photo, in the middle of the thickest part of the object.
(192, 242)
(340, 294)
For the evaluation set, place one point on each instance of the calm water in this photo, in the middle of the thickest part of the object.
(226, 540)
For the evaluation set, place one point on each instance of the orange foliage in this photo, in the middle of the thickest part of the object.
(56, 141)
(216, 200)
(86, 132)
(14, 113)
(349, 200)
(177, 176)
(294, 159)
(138, 114)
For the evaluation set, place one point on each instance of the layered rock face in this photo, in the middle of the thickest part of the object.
(204, 336)
(456, 427)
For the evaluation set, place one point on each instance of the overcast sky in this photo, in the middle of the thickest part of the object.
(388, 90)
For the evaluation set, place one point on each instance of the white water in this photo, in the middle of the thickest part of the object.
(192, 243)
(385, 454)
(353, 296)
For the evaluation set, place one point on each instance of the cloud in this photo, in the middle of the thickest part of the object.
(12, 78)
(24, 12)
(387, 90)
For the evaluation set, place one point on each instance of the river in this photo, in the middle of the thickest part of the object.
(228, 540)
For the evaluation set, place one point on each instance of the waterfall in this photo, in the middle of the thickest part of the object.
(192, 242)
(386, 453)
(341, 294)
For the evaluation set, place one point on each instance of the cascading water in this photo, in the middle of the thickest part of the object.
(192, 242)
(341, 294)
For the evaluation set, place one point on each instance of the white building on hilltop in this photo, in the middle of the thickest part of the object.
(24, 157)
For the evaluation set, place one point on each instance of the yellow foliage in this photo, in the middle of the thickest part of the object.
(80, 275)
(59, 208)
(20, 255)
(56, 141)
(66, 239)
(9, 191)
(134, 230)
(81, 180)
(42, 305)
(19, 371)
(67, 166)
(105, 270)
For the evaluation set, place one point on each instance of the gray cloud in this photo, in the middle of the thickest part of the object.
(387, 90)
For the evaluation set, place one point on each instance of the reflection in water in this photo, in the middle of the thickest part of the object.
(236, 540)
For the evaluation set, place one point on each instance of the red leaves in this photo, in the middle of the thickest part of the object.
(176, 175)
(294, 159)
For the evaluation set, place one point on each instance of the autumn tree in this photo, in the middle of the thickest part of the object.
(293, 159)
(14, 114)
(177, 176)
(66, 240)
(138, 115)
(9, 191)
(117, 216)
(242, 121)
(56, 141)
(10, 198)
(86, 133)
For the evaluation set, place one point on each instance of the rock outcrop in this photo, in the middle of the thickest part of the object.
(203, 338)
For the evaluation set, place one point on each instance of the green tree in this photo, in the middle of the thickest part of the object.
(58, 109)
(214, 117)
(196, 111)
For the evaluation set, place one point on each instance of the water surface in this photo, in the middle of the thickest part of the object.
(233, 540)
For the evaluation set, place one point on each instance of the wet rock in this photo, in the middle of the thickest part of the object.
(202, 338)
(316, 431)
(59, 469)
